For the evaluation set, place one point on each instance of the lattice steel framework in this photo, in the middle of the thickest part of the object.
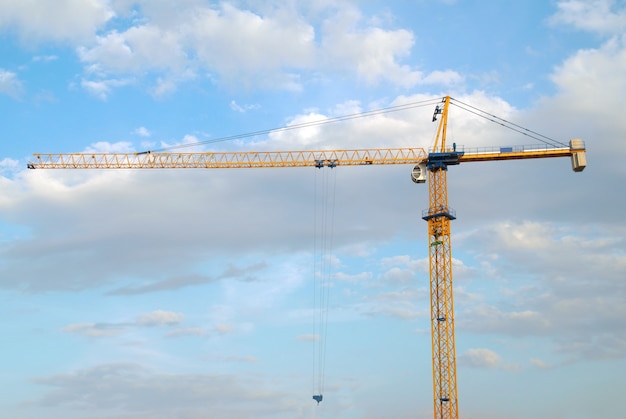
(441, 298)
(438, 216)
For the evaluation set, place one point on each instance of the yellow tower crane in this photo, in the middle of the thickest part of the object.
(431, 166)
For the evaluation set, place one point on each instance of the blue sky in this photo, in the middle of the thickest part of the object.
(192, 294)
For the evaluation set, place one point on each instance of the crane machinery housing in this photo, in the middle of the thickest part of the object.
(431, 167)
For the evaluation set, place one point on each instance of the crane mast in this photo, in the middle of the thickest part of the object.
(438, 215)
(432, 167)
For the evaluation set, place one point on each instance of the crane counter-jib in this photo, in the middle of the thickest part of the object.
(576, 151)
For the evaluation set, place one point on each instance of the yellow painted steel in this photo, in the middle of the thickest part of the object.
(217, 160)
(511, 153)
(254, 159)
(442, 300)
(438, 215)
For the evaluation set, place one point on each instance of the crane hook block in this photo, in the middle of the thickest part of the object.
(318, 398)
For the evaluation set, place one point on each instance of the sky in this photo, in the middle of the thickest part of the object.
(195, 293)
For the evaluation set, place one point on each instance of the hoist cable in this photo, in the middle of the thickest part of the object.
(318, 278)
(324, 194)
(329, 236)
(316, 334)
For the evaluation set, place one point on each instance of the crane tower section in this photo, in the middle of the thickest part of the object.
(438, 215)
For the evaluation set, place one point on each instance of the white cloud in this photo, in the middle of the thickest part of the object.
(488, 319)
(10, 84)
(372, 52)
(160, 318)
(106, 147)
(128, 387)
(540, 363)
(94, 329)
(187, 331)
(359, 277)
(99, 89)
(405, 313)
(143, 132)
(242, 108)
(443, 78)
(401, 276)
(236, 44)
(44, 21)
(138, 49)
(102, 88)
(8, 163)
(45, 58)
(600, 346)
(405, 304)
(486, 359)
(224, 328)
(556, 293)
(282, 47)
(305, 137)
(480, 358)
(590, 71)
(232, 40)
(190, 142)
(157, 318)
(164, 86)
(602, 16)
(179, 281)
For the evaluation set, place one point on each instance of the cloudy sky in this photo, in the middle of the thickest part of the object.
(195, 293)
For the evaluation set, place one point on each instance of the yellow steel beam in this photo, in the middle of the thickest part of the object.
(514, 153)
(216, 160)
(438, 216)
(576, 151)
(311, 158)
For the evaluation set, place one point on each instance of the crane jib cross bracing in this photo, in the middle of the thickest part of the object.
(432, 166)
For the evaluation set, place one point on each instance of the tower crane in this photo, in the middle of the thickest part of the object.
(431, 167)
